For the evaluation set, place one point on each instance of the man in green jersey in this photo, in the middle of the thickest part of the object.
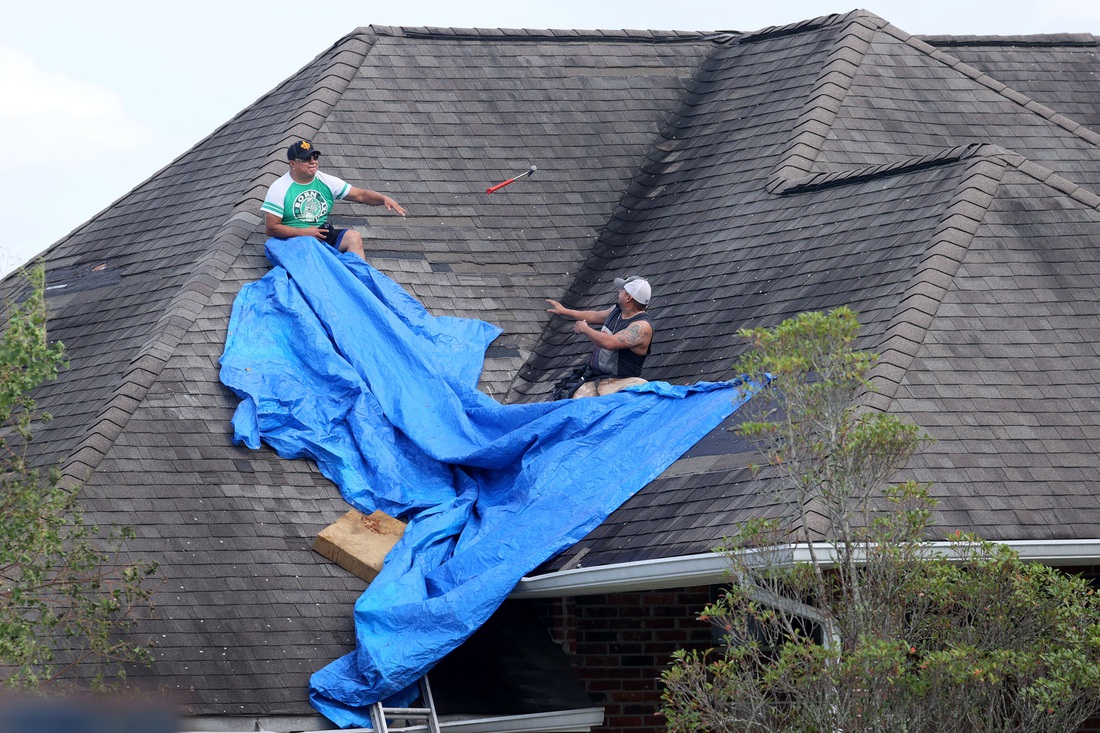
(298, 204)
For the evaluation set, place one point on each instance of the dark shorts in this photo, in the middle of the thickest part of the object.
(334, 236)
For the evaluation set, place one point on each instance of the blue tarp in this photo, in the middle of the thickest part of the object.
(335, 362)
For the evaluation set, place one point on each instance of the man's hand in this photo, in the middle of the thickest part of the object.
(373, 198)
(274, 227)
(392, 205)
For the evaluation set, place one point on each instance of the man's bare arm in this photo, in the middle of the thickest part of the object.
(373, 198)
(596, 317)
(636, 336)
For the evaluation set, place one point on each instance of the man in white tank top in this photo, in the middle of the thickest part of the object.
(622, 343)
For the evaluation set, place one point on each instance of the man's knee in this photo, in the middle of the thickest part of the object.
(611, 386)
(352, 242)
(606, 386)
(588, 389)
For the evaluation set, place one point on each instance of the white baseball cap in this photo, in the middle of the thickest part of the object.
(636, 287)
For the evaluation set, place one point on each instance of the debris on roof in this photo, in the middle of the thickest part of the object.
(358, 543)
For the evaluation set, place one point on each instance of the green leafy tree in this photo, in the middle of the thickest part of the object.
(880, 630)
(65, 593)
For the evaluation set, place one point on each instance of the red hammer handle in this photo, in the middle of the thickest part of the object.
(498, 186)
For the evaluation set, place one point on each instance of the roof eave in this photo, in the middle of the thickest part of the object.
(565, 721)
(712, 568)
(581, 720)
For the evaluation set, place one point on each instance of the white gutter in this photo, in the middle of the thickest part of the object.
(712, 568)
(566, 721)
(582, 720)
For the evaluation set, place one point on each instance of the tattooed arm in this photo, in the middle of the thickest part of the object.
(635, 337)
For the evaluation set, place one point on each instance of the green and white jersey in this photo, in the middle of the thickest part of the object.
(304, 205)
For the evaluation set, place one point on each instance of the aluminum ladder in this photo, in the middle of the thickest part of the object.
(378, 713)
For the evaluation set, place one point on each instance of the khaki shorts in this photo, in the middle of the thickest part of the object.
(606, 386)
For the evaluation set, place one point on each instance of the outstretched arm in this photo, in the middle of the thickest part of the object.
(596, 317)
(373, 198)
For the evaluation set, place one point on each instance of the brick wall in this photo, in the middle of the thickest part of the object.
(620, 643)
(1092, 574)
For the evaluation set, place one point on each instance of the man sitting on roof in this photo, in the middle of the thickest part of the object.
(621, 345)
(297, 205)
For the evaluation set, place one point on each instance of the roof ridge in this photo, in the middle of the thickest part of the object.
(794, 171)
(316, 104)
(950, 241)
(1035, 39)
(826, 98)
(214, 133)
(187, 303)
(1045, 175)
(326, 90)
(921, 300)
(528, 34)
(150, 359)
(812, 24)
(1056, 118)
(847, 176)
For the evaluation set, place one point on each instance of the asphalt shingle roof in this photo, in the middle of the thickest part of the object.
(938, 186)
(873, 201)
(1059, 71)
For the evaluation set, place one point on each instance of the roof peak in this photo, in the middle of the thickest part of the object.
(555, 34)
(802, 26)
(1038, 39)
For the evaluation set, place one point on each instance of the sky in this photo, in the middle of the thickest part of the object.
(99, 95)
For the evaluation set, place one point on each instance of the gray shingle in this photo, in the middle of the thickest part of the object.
(939, 187)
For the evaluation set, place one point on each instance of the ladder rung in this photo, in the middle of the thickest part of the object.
(378, 713)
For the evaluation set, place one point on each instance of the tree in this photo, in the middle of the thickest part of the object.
(880, 630)
(65, 593)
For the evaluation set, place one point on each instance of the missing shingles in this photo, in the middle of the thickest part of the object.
(575, 561)
(501, 352)
(83, 277)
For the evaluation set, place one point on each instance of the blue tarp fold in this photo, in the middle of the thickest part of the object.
(335, 362)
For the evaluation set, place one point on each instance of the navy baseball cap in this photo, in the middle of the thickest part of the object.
(302, 150)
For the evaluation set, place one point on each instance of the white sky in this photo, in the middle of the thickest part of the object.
(100, 94)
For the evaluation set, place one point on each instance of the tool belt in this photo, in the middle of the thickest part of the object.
(570, 383)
